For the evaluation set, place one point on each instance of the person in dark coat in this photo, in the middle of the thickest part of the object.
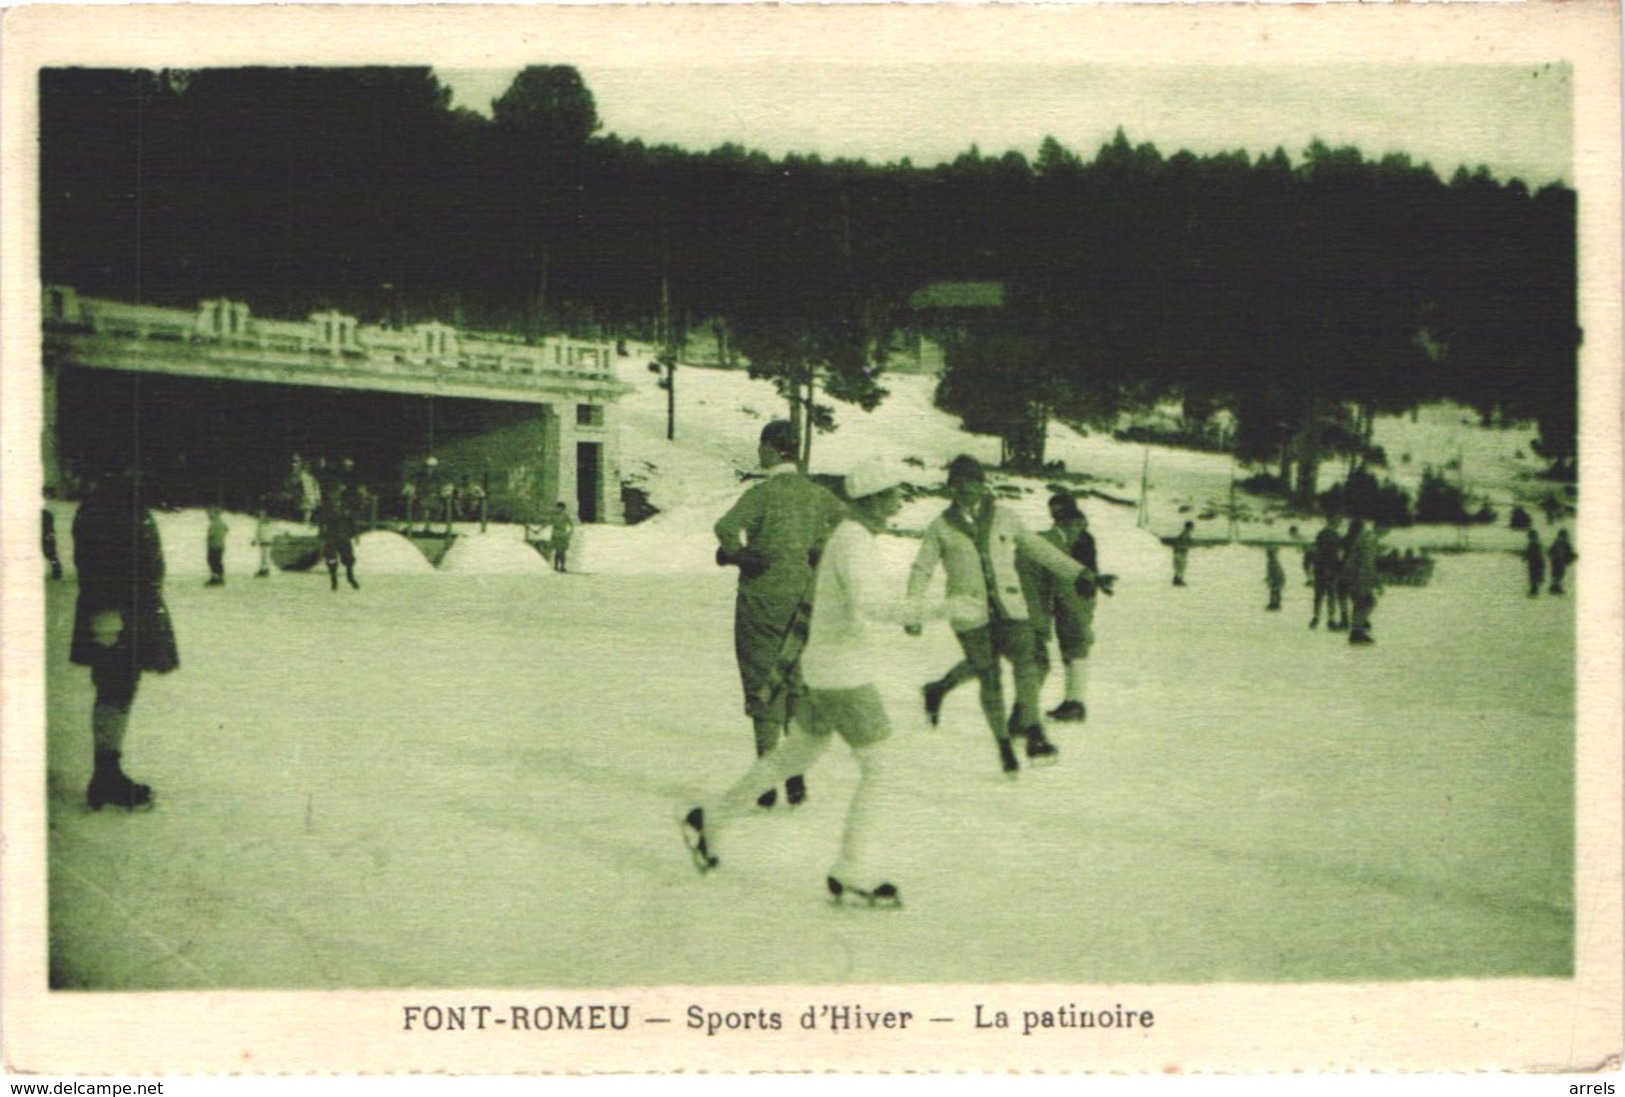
(1561, 555)
(771, 535)
(47, 540)
(337, 529)
(1328, 564)
(1534, 558)
(1274, 576)
(121, 627)
(1182, 551)
(1361, 582)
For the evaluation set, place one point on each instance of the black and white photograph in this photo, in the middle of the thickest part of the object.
(766, 539)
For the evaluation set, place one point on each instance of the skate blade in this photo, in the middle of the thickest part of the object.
(702, 857)
(1044, 761)
(842, 895)
(129, 809)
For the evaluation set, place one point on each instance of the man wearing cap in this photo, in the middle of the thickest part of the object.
(977, 541)
(837, 666)
(770, 535)
(1058, 607)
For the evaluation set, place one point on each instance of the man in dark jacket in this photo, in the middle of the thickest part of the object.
(121, 626)
(1328, 565)
(1561, 555)
(337, 527)
(1360, 582)
(769, 535)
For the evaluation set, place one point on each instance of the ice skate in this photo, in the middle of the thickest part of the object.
(883, 897)
(1069, 712)
(1361, 636)
(767, 799)
(694, 838)
(1040, 751)
(1007, 757)
(933, 694)
(119, 791)
(795, 791)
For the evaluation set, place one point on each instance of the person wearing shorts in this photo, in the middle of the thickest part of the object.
(1059, 608)
(837, 668)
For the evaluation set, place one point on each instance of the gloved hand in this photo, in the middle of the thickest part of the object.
(750, 563)
(1087, 585)
(912, 630)
(106, 627)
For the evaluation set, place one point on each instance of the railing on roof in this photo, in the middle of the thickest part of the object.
(334, 340)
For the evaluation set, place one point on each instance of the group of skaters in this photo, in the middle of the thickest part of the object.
(810, 608)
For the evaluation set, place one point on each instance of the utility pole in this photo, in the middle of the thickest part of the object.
(665, 362)
(1144, 518)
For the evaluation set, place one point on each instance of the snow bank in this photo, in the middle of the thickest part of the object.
(384, 552)
(498, 551)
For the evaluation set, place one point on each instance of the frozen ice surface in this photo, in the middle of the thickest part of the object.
(348, 782)
(473, 776)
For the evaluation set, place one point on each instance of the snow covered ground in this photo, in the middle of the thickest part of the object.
(349, 780)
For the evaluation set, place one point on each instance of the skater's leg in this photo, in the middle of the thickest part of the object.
(115, 680)
(794, 754)
(1077, 679)
(1017, 644)
(858, 864)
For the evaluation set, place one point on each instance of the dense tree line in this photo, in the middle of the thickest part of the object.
(1303, 297)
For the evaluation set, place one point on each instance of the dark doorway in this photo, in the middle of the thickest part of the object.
(587, 485)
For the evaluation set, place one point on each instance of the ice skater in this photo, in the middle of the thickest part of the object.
(121, 626)
(770, 534)
(837, 667)
(337, 529)
(1274, 576)
(1306, 551)
(1328, 561)
(1534, 558)
(976, 541)
(1561, 555)
(262, 538)
(216, 547)
(563, 529)
(1182, 552)
(1361, 581)
(1058, 607)
(48, 539)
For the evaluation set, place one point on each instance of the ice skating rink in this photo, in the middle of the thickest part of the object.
(466, 779)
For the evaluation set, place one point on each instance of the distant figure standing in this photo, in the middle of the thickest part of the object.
(1307, 552)
(1274, 576)
(1327, 556)
(47, 541)
(337, 528)
(564, 528)
(1534, 558)
(1561, 555)
(1361, 581)
(1182, 552)
(309, 488)
(262, 538)
(217, 547)
(121, 626)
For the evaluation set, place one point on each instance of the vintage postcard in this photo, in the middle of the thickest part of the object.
(876, 539)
